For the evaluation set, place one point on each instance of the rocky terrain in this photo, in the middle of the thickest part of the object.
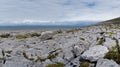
(93, 46)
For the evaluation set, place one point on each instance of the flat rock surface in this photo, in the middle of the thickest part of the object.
(94, 53)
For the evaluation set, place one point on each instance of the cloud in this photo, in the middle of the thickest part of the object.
(58, 10)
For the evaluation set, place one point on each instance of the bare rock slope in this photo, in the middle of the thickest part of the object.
(93, 46)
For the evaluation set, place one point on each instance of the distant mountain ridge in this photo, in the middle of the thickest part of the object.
(112, 21)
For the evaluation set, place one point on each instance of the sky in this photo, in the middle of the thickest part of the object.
(44, 11)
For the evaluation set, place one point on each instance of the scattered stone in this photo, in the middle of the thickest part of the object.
(106, 63)
(94, 53)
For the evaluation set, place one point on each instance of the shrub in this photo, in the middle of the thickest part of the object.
(56, 65)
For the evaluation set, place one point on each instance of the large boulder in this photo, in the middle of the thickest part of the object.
(106, 63)
(109, 43)
(94, 53)
(47, 35)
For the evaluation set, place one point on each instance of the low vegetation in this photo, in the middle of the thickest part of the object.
(110, 33)
(101, 41)
(58, 32)
(34, 35)
(114, 54)
(72, 31)
(81, 38)
(22, 36)
(56, 65)
(52, 56)
(9, 51)
(2, 58)
(5, 35)
(84, 64)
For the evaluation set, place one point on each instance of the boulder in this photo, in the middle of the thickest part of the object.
(79, 47)
(109, 43)
(94, 53)
(106, 63)
(47, 35)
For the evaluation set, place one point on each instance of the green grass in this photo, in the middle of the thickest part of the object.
(82, 39)
(31, 59)
(34, 35)
(72, 31)
(5, 35)
(9, 51)
(58, 32)
(101, 41)
(2, 58)
(52, 56)
(84, 64)
(110, 33)
(22, 36)
(56, 65)
(114, 54)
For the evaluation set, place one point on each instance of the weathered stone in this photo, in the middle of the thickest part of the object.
(94, 53)
(109, 43)
(47, 35)
(106, 63)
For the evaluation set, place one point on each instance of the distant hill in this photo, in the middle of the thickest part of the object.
(112, 21)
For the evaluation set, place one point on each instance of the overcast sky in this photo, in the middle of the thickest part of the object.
(20, 11)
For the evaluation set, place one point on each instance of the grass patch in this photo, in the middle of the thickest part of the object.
(34, 35)
(114, 54)
(111, 33)
(2, 58)
(9, 51)
(31, 59)
(22, 36)
(72, 31)
(52, 56)
(101, 41)
(82, 39)
(58, 32)
(84, 64)
(5, 35)
(56, 65)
